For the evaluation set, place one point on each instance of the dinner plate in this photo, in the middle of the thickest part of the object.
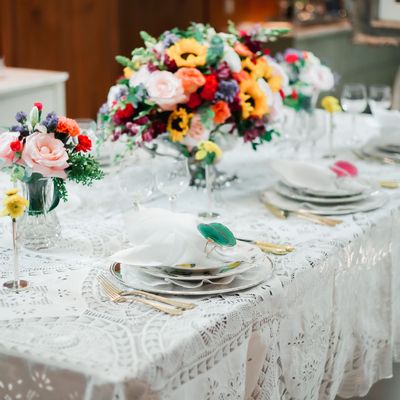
(371, 150)
(233, 269)
(133, 278)
(296, 194)
(376, 200)
(395, 149)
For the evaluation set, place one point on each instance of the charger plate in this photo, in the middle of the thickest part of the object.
(132, 278)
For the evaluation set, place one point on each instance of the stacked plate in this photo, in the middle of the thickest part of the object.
(313, 189)
(191, 279)
(385, 148)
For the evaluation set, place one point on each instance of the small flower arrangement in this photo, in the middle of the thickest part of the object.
(208, 152)
(14, 204)
(194, 84)
(307, 78)
(52, 147)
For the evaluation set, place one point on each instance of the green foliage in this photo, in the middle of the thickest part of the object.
(83, 169)
(265, 137)
(136, 95)
(232, 28)
(209, 159)
(206, 116)
(217, 233)
(148, 40)
(216, 51)
(124, 61)
(61, 188)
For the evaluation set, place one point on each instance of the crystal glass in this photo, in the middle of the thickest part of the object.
(172, 177)
(136, 177)
(354, 101)
(380, 97)
(210, 186)
(317, 128)
(39, 227)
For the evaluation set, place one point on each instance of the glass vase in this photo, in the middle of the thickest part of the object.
(210, 181)
(39, 227)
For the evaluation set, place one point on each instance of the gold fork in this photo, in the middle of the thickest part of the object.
(116, 298)
(266, 247)
(317, 219)
(150, 296)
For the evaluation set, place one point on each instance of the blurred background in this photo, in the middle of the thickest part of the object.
(82, 38)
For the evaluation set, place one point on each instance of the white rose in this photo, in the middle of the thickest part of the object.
(319, 77)
(140, 77)
(278, 70)
(114, 94)
(232, 59)
(165, 89)
(274, 100)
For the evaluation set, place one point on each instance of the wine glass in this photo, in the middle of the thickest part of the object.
(136, 177)
(316, 129)
(354, 101)
(172, 177)
(380, 97)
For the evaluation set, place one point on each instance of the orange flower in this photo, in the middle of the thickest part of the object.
(242, 50)
(241, 76)
(221, 112)
(68, 125)
(191, 79)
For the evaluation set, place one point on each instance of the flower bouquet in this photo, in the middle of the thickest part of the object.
(307, 78)
(43, 154)
(189, 86)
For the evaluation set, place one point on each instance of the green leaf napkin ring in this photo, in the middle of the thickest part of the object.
(216, 234)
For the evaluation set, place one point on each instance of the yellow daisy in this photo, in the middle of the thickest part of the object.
(128, 72)
(14, 204)
(208, 147)
(178, 124)
(252, 99)
(188, 53)
(331, 104)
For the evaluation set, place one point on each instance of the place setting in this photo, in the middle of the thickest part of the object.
(317, 193)
(178, 254)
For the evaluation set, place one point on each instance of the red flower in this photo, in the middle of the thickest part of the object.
(282, 93)
(295, 95)
(194, 100)
(16, 145)
(267, 52)
(38, 105)
(208, 91)
(84, 144)
(124, 114)
(291, 58)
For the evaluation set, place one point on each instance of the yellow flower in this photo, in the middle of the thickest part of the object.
(331, 104)
(255, 70)
(208, 148)
(128, 72)
(188, 53)
(14, 204)
(178, 124)
(252, 99)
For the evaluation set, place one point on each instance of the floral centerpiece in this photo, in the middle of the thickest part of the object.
(307, 78)
(195, 84)
(43, 154)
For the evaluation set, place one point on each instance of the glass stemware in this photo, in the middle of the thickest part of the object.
(136, 177)
(172, 177)
(316, 129)
(354, 101)
(380, 97)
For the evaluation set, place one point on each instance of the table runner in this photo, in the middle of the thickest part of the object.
(327, 323)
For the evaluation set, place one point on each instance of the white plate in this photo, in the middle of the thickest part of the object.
(378, 199)
(371, 150)
(295, 194)
(132, 278)
(214, 274)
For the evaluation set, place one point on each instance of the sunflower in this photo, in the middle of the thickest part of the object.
(178, 124)
(252, 99)
(14, 204)
(188, 53)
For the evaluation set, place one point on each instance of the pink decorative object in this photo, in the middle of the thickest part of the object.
(344, 169)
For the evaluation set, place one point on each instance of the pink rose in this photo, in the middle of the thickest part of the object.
(165, 89)
(6, 153)
(197, 132)
(46, 155)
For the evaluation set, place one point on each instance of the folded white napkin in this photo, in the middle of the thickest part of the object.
(313, 178)
(162, 238)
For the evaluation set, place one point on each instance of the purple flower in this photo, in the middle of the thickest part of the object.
(169, 39)
(227, 90)
(103, 110)
(50, 121)
(16, 128)
(223, 71)
(20, 117)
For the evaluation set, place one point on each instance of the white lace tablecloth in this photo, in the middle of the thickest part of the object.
(327, 323)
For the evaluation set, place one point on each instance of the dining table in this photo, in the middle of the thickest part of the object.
(326, 323)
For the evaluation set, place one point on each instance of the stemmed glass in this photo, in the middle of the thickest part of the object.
(380, 97)
(136, 177)
(354, 101)
(316, 129)
(172, 177)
